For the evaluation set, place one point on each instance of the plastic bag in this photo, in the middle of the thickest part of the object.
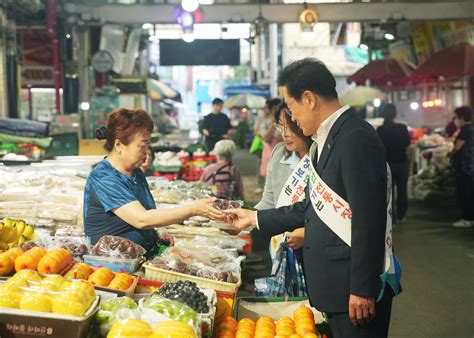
(173, 310)
(117, 247)
(114, 310)
(256, 147)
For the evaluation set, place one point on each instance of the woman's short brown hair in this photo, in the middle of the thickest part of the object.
(281, 110)
(122, 124)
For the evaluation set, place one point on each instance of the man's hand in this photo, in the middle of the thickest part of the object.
(361, 310)
(205, 132)
(241, 218)
(295, 239)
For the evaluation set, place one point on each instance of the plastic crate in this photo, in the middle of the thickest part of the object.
(114, 264)
(66, 144)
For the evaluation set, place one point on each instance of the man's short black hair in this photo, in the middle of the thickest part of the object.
(308, 74)
(464, 113)
(217, 101)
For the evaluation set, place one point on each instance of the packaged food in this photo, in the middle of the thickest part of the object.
(117, 247)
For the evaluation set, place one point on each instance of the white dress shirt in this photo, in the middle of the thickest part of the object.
(321, 136)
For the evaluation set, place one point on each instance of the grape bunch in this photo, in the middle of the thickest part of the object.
(186, 292)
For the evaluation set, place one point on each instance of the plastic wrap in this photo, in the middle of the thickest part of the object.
(171, 309)
(114, 310)
(18, 209)
(74, 240)
(28, 290)
(70, 197)
(24, 193)
(216, 266)
(57, 212)
(118, 247)
(211, 243)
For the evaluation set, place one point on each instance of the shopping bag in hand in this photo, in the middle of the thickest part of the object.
(256, 147)
(288, 279)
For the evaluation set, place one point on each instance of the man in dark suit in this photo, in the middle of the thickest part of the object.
(343, 281)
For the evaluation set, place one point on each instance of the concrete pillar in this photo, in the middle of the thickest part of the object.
(273, 57)
(3, 69)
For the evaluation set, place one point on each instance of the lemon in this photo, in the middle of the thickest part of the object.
(69, 304)
(10, 299)
(36, 302)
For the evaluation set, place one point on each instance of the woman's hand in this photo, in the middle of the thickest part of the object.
(205, 207)
(166, 236)
(295, 239)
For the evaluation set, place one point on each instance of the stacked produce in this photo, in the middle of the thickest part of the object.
(186, 292)
(300, 326)
(28, 290)
(14, 232)
(219, 266)
(140, 329)
(117, 247)
(171, 309)
(101, 277)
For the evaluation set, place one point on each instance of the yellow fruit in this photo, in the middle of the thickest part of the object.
(130, 328)
(79, 271)
(57, 280)
(54, 261)
(6, 264)
(173, 329)
(121, 281)
(101, 277)
(69, 304)
(29, 259)
(80, 285)
(16, 281)
(29, 275)
(9, 234)
(10, 299)
(36, 302)
(14, 253)
(29, 231)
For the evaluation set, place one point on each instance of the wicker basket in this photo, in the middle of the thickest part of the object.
(171, 276)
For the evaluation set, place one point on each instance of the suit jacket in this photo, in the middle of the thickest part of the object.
(353, 164)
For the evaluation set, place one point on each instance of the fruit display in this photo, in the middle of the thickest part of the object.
(117, 247)
(79, 271)
(186, 292)
(13, 232)
(114, 310)
(27, 290)
(171, 309)
(218, 266)
(7, 260)
(54, 261)
(101, 277)
(72, 240)
(29, 259)
(141, 329)
(300, 326)
(121, 281)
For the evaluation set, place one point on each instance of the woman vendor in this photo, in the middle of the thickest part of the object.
(117, 199)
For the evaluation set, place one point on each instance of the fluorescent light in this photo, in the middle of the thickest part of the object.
(437, 102)
(190, 5)
(85, 105)
(377, 103)
(188, 37)
(363, 46)
(68, 36)
(414, 105)
(147, 26)
(389, 36)
(206, 2)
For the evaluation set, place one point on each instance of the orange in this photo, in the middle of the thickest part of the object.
(295, 336)
(310, 335)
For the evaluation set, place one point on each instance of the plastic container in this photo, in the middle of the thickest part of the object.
(114, 264)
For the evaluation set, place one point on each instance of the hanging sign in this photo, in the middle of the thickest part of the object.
(102, 61)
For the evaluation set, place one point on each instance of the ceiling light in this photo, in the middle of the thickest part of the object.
(206, 2)
(190, 5)
(363, 46)
(389, 36)
(68, 36)
(85, 105)
(414, 105)
(377, 103)
(188, 35)
(437, 102)
(147, 26)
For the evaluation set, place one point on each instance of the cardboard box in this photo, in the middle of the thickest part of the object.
(277, 307)
(15, 323)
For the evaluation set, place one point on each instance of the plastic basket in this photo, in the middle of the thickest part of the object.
(114, 264)
(162, 275)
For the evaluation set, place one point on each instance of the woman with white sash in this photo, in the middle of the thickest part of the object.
(284, 185)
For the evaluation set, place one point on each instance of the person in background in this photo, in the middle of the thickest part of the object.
(266, 129)
(462, 157)
(450, 128)
(117, 198)
(396, 140)
(283, 161)
(146, 166)
(223, 174)
(216, 125)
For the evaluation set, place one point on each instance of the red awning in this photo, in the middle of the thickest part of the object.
(383, 73)
(452, 62)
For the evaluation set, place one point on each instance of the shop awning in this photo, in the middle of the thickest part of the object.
(245, 100)
(159, 91)
(383, 73)
(453, 62)
(359, 96)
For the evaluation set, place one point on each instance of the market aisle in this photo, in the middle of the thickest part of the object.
(438, 275)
